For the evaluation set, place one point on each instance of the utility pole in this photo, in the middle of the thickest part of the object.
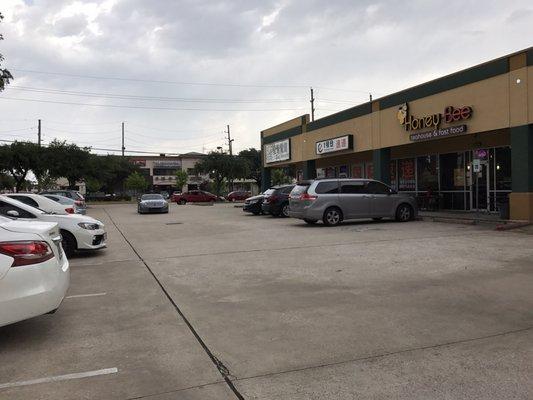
(230, 141)
(39, 133)
(312, 105)
(123, 148)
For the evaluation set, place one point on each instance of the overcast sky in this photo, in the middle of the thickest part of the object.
(226, 62)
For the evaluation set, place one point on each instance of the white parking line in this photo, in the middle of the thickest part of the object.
(75, 296)
(58, 378)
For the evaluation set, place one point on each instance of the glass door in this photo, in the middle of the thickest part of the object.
(480, 181)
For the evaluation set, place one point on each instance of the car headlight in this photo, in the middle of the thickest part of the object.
(89, 225)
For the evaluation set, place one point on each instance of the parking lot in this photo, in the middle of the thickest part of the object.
(284, 310)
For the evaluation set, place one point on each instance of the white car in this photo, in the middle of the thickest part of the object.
(79, 232)
(41, 202)
(34, 271)
(67, 202)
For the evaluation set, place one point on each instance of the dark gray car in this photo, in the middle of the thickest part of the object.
(335, 200)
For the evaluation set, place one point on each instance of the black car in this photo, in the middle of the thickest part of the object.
(253, 204)
(276, 202)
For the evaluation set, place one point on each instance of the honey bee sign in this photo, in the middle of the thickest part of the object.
(278, 151)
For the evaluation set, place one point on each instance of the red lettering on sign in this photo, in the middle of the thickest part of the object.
(452, 114)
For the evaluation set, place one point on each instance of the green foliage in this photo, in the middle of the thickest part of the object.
(254, 161)
(279, 177)
(6, 182)
(181, 178)
(136, 182)
(93, 185)
(222, 167)
(18, 158)
(69, 161)
(5, 75)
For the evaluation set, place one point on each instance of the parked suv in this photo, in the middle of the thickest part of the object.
(277, 201)
(334, 200)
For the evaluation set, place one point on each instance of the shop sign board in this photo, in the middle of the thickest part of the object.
(335, 144)
(438, 133)
(167, 163)
(278, 151)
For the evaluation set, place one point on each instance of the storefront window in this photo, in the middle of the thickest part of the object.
(320, 173)
(452, 171)
(369, 170)
(394, 175)
(406, 174)
(503, 168)
(427, 177)
(330, 172)
(357, 171)
(343, 171)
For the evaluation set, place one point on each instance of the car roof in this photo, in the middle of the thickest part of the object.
(281, 186)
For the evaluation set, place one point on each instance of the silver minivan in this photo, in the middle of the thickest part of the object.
(335, 200)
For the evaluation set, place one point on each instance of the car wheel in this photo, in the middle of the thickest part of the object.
(310, 221)
(68, 242)
(285, 210)
(256, 213)
(182, 201)
(404, 213)
(332, 216)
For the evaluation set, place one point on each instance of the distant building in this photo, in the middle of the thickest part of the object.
(160, 171)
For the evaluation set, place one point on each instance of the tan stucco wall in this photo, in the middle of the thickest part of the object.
(498, 103)
(521, 206)
(292, 123)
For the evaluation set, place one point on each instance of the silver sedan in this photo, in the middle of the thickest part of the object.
(152, 203)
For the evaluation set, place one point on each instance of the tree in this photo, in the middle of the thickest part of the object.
(93, 185)
(69, 161)
(279, 177)
(181, 178)
(253, 159)
(221, 167)
(136, 182)
(5, 75)
(17, 159)
(6, 182)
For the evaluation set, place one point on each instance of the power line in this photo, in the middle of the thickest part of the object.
(150, 108)
(151, 98)
(184, 82)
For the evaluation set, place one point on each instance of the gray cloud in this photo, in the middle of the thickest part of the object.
(365, 46)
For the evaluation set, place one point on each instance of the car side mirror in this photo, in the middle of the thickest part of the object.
(13, 213)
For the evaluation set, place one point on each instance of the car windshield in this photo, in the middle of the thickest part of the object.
(151, 197)
(269, 192)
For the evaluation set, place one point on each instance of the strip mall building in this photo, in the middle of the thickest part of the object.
(466, 138)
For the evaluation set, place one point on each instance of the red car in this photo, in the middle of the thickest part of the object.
(238, 195)
(194, 196)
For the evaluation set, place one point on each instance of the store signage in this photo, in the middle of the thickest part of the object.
(167, 163)
(278, 151)
(438, 133)
(140, 163)
(450, 115)
(336, 144)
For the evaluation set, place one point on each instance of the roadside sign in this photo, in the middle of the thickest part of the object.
(476, 165)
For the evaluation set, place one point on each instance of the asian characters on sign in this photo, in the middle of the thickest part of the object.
(406, 172)
(335, 144)
(278, 151)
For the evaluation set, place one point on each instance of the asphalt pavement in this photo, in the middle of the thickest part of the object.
(212, 303)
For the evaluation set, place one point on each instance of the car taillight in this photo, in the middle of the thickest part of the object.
(26, 252)
(69, 210)
(307, 196)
